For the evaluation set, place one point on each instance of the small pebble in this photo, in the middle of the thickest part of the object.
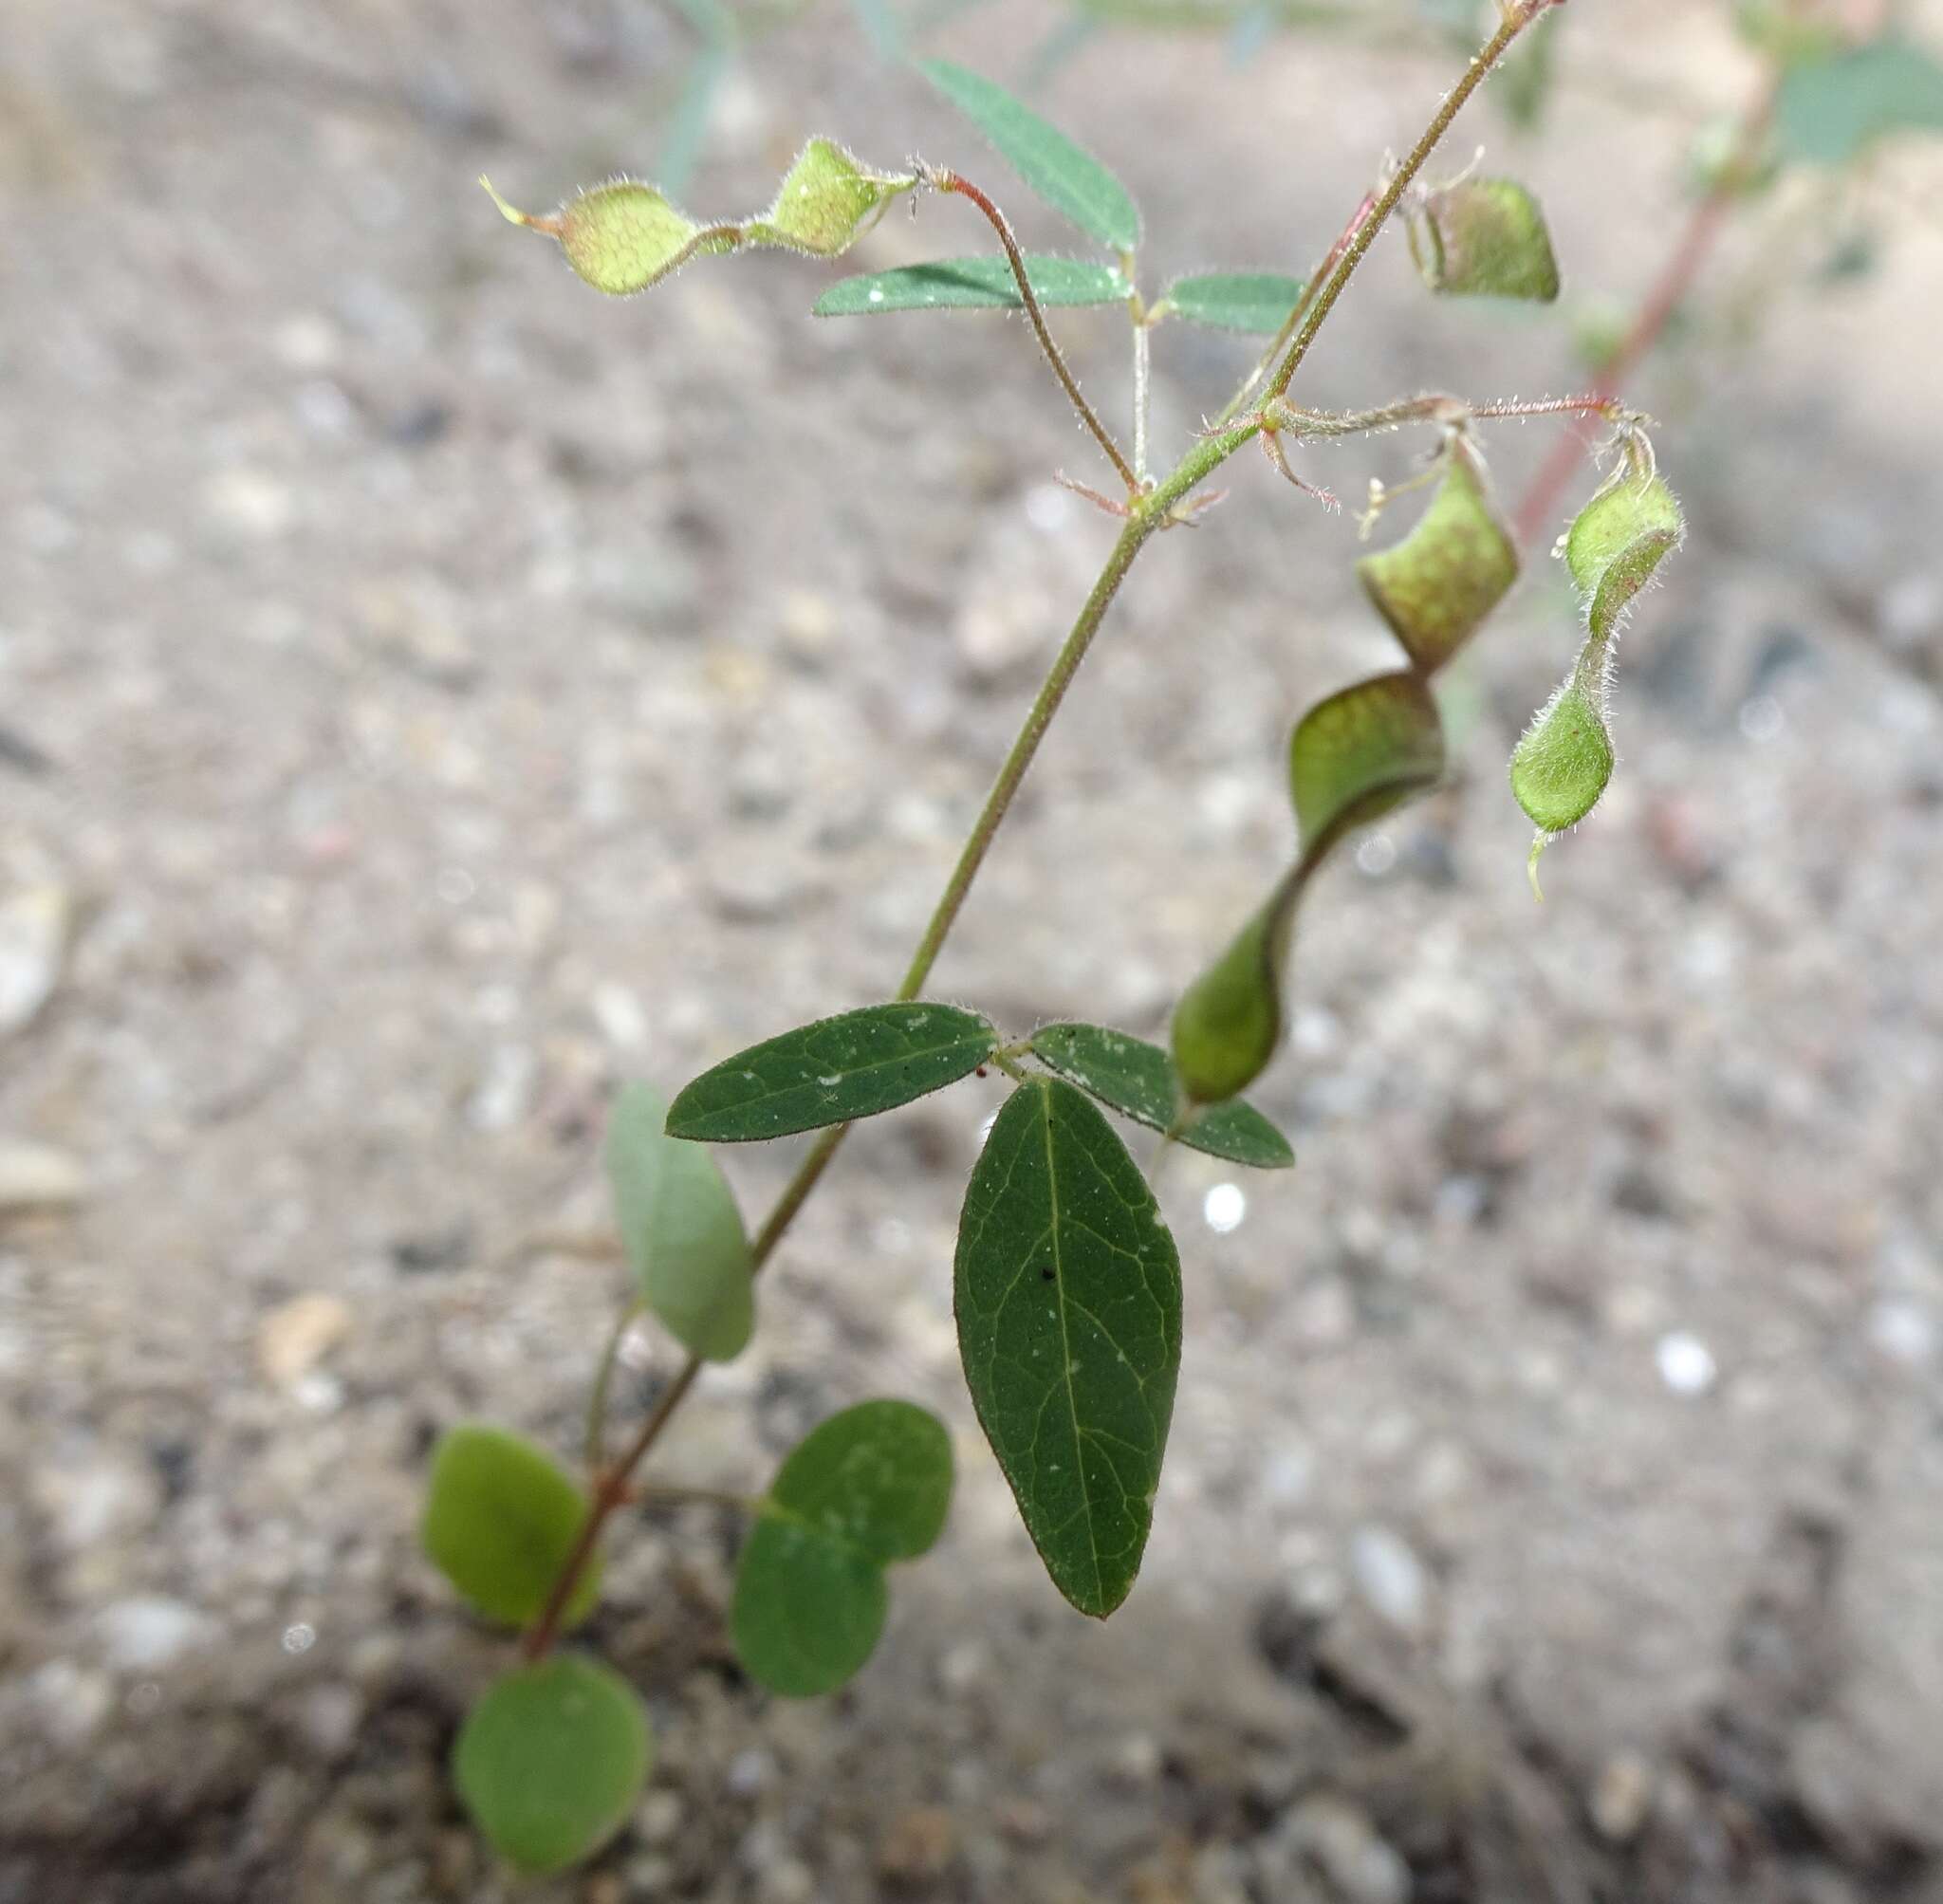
(1686, 1363)
(34, 926)
(296, 1335)
(1390, 1577)
(917, 1844)
(149, 1632)
(1622, 1797)
(39, 1177)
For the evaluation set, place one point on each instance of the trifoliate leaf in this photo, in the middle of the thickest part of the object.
(1485, 237)
(1136, 1078)
(550, 1760)
(1255, 302)
(1067, 1293)
(826, 200)
(681, 1229)
(1070, 179)
(501, 1519)
(866, 1488)
(853, 1065)
(1438, 584)
(974, 283)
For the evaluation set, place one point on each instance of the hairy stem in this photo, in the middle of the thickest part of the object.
(1512, 21)
(1670, 291)
(951, 182)
(1149, 511)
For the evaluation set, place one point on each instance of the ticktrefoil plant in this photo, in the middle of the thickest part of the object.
(1066, 1283)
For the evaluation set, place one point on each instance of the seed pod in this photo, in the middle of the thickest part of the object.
(824, 202)
(1484, 238)
(1561, 767)
(622, 236)
(1360, 752)
(1441, 580)
(1228, 1022)
(1619, 541)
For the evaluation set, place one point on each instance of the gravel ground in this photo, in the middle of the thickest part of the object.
(430, 694)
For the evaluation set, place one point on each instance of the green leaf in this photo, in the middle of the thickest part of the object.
(550, 1760)
(1137, 1080)
(1437, 587)
(1617, 545)
(1071, 180)
(808, 1611)
(1228, 1022)
(866, 1487)
(1526, 79)
(1561, 765)
(1068, 1292)
(1831, 110)
(501, 1519)
(1256, 301)
(974, 283)
(1485, 237)
(1362, 752)
(681, 1229)
(853, 1065)
(826, 201)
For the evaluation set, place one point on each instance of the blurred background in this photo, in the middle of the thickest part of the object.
(430, 693)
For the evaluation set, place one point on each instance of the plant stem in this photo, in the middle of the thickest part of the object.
(1149, 511)
(1670, 291)
(949, 181)
(1512, 22)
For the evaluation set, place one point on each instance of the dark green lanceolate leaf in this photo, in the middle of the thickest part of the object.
(853, 1065)
(1136, 1078)
(1617, 542)
(826, 201)
(1830, 110)
(1067, 1293)
(867, 1487)
(1485, 237)
(550, 1760)
(1352, 759)
(1359, 754)
(1437, 585)
(1256, 301)
(501, 1518)
(1070, 179)
(681, 1229)
(974, 283)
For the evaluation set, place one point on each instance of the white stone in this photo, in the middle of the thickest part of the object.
(34, 925)
(1390, 1577)
(149, 1632)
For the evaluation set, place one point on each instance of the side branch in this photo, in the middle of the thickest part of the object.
(943, 180)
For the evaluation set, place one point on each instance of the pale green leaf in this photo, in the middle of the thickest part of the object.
(1256, 301)
(1136, 1078)
(866, 1487)
(974, 283)
(681, 1229)
(1068, 1301)
(501, 1519)
(853, 1065)
(551, 1761)
(1070, 179)
(1831, 110)
(1437, 585)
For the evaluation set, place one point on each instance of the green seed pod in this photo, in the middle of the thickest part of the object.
(1228, 1022)
(824, 202)
(1619, 541)
(1484, 238)
(621, 237)
(1360, 752)
(1437, 585)
(1561, 765)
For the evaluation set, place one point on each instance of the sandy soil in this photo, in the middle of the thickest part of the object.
(429, 695)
